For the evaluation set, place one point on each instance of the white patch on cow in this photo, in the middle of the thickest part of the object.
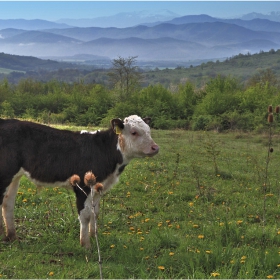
(89, 132)
(135, 139)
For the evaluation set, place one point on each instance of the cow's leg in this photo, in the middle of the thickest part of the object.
(8, 206)
(96, 205)
(84, 217)
(1, 220)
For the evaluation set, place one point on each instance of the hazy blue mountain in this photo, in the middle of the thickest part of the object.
(33, 24)
(145, 49)
(122, 19)
(255, 24)
(38, 37)
(10, 32)
(209, 33)
(183, 38)
(272, 16)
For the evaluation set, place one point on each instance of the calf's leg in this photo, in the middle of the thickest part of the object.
(84, 218)
(8, 206)
(96, 205)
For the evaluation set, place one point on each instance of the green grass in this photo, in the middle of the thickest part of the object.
(196, 210)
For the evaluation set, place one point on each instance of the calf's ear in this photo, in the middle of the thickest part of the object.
(117, 125)
(147, 120)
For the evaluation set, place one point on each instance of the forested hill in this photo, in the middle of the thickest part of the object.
(242, 66)
(30, 63)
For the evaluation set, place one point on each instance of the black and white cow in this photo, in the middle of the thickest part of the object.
(49, 157)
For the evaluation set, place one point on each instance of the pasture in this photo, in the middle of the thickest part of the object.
(207, 206)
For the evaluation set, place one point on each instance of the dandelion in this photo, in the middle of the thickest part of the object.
(170, 192)
(269, 194)
(201, 236)
(124, 246)
(112, 246)
(159, 224)
(171, 254)
(161, 267)
(269, 276)
(191, 204)
(147, 220)
(195, 226)
(215, 274)
(24, 200)
(51, 273)
(208, 252)
(141, 249)
(232, 261)
(146, 258)
(239, 222)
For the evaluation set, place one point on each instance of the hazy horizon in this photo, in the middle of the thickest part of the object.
(56, 10)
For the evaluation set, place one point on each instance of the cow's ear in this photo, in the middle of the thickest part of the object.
(147, 120)
(117, 125)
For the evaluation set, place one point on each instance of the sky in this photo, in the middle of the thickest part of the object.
(55, 10)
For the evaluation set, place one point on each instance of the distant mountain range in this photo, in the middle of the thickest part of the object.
(179, 39)
(122, 20)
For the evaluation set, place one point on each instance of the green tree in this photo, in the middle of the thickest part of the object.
(125, 75)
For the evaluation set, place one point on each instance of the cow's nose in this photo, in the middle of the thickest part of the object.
(155, 148)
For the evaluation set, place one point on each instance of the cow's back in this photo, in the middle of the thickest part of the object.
(50, 155)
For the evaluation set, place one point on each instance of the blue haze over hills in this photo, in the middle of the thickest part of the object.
(162, 36)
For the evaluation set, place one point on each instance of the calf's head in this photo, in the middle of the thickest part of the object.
(135, 137)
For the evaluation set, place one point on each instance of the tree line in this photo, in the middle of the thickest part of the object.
(222, 103)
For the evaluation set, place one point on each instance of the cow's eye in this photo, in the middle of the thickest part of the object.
(134, 133)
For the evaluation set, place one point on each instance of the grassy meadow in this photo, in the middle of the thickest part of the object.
(207, 206)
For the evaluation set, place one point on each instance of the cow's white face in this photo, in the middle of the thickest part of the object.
(135, 139)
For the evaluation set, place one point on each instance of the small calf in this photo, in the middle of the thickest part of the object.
(49, 157)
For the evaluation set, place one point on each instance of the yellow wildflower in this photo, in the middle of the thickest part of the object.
(215, 274)
(161, 267)
(201, 236)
